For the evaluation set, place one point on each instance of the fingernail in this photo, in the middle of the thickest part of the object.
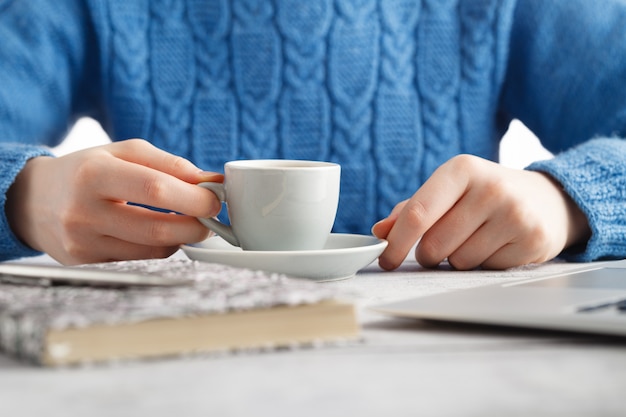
(211, 176)
(373, 227)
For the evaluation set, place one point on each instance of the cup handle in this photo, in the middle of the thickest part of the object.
(226, 232)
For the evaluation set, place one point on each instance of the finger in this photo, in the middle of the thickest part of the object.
(109, 249)
(119, 250)
(438, 194)
(382, 228)
(143, 185)
(526, 250)
(507, 256)
(486, 241)
(143, 226)
(451, 231)
(141, 152)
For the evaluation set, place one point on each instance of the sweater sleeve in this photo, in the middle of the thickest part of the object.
(566, 82)
(12, 160)
(594, 175)
(45, 85)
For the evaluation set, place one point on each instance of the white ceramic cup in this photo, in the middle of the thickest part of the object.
(276, 205)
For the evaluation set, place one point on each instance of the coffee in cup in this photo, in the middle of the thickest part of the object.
(277, 205)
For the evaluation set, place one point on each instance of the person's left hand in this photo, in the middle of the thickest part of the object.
(478, 213)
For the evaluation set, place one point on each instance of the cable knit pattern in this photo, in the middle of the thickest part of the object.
(398, 143)
(478, 71)
(390, 89)
(438, 78)
(304, 105)
(129, 84)
(215, 117)
(353, 72)
(257, 65)
(173, 73)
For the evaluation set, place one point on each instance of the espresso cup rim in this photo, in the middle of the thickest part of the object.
(280, 164)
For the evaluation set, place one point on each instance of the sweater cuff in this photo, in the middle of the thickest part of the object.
(13, 157)
(594, 175)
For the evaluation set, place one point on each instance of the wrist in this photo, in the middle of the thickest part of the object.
(578, 230)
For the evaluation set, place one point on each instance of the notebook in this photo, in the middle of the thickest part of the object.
(162, 308)
(589, 300)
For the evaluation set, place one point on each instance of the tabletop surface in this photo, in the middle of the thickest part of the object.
(398, 367)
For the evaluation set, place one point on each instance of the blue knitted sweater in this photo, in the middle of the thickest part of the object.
(390, 89)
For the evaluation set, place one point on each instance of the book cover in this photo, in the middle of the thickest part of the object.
(222, 308)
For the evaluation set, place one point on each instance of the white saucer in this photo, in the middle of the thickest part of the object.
(342, 257)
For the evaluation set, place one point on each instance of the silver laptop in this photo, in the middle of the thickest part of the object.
(589, 300)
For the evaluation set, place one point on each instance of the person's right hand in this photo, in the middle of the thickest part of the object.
(75, 207)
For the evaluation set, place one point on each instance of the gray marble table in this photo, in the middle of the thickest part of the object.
(399, 368)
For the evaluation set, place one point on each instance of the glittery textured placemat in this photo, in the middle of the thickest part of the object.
(27, 312)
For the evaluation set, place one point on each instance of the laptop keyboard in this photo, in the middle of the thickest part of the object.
(616, 306)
